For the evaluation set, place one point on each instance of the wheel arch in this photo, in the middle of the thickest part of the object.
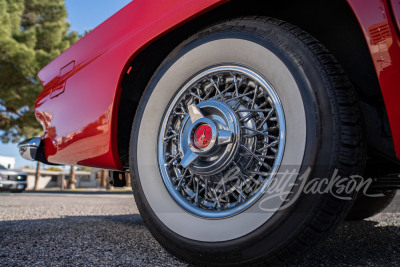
(335, 25)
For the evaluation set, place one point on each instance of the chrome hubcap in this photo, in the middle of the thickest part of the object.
(221, 141)
(208, 152)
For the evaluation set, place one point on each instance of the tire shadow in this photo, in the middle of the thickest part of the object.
(359, 243)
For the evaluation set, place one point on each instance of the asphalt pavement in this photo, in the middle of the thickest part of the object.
(87, 229)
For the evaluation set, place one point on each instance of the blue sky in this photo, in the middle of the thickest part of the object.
(87, 14)
(82, 15)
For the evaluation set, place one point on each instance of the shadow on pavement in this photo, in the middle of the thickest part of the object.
(124, 240)
(358, 243)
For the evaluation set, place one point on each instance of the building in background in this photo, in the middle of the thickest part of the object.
(7, 162)
(54, 179)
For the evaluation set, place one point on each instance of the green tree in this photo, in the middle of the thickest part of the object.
(32, 33)
(53, 168)
(84, 169)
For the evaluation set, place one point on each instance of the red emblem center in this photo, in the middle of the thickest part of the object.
(202, 136)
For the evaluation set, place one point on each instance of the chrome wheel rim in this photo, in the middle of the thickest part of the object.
(221, 141)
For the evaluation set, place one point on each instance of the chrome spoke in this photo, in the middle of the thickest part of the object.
(215, 85)
(257, 158)
(254, 97)
(239, 96)
(196, 96)
(254, 110)
(236, 85)
(266, 118)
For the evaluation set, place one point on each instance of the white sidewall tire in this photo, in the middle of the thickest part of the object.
(219, 51)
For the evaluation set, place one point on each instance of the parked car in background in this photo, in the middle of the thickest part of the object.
(12, 180)
(209, 103)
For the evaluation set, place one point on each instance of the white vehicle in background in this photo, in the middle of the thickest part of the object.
(12, 180)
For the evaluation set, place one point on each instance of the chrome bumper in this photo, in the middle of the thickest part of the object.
(29, 148)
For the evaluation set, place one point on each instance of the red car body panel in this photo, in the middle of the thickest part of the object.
(382, 36)
(79, 104)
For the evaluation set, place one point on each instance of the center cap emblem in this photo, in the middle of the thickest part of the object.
(202, 136)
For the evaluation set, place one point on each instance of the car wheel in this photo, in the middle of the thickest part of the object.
(223, 121)
(367, 206)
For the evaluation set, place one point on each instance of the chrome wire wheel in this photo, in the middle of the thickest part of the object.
(221, 141)
(232, 129)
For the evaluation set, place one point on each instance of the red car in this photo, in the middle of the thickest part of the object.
(250, 128)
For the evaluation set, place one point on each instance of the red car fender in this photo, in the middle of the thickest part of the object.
(83, 133)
